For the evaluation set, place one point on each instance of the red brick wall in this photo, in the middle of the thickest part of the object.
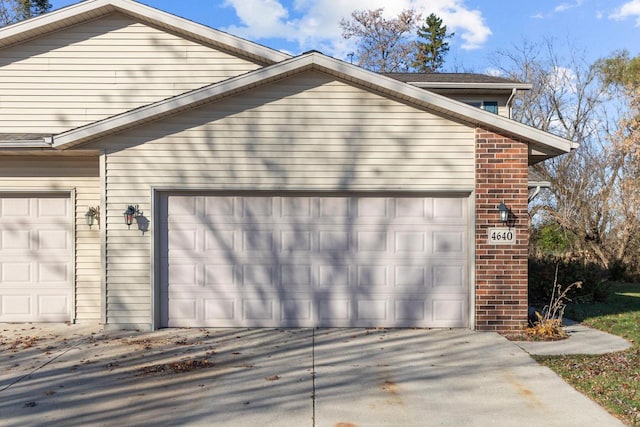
(501, 270)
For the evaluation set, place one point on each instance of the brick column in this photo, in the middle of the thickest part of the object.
(500, 270)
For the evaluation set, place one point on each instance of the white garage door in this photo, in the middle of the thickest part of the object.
(35, 258)
(314, 261)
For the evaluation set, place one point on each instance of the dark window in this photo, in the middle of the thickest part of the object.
(490, 106)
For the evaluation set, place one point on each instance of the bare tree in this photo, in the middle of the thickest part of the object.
(12, 11)
(592, 196)
(384, 45)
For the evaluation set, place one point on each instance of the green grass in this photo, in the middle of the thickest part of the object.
(613, 380)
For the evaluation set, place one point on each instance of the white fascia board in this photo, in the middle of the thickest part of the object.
(447, 106)
(90, 9)
(202, 32)
(460, 85)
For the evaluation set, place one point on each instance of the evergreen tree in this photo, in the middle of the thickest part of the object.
(429, 56)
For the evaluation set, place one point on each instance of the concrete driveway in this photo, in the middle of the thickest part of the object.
(78, 375)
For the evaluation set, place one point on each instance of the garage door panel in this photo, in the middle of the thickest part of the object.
(334, 310)
(412, 207)
(254, 311)
(372, 276)
(372, 310)
(410, 241)
(449, 276)
(333, 241)
(15, 207)
(218, 208)
(53, 207)
(295, 276)
(448, 242)
(410, 310)
(315, 261)
(449, 310)
(183, 273)
(371, 241)
(410, 277)
(256, 208)
(53, 273)
(17, 306)
(221, 276)
(256, 240)
(16, 240)
(296, 207)
(296, 241)
(183, 311)
(220, 239)
(257, 276)
(217, 310)
(53, 305)
(297, 311)
(373, 207)
(15, 273)
(36, 258)
(335, 209)
(448, 210)
(53, 240)
(334, 276)
(182, 239)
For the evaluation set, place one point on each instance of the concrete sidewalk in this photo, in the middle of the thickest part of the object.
(582, 340)
(77, 375)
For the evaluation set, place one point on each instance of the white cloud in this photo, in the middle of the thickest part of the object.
(566, 6)
(629, 9)
(494, 72)
(314, 24)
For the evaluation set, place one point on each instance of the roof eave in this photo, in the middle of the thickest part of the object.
(429, 100)
(24, 144)
(477, 85)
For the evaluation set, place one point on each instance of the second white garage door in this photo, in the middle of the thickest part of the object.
(36, 253)
(296, 260)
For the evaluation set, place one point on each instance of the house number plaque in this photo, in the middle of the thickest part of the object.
(502, 236)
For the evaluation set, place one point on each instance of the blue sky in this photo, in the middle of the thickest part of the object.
(481, 27)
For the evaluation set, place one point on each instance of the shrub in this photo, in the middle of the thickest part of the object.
(542, 272)
(549, 324)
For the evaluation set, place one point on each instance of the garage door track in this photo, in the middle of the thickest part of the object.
(78, 375)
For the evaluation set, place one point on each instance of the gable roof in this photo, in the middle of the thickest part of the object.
(89, 10)
(546, 144)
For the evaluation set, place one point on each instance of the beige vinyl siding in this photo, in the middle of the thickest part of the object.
(100, 68)
(39, 174)
(307, 132)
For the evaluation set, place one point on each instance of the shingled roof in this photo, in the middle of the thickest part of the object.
(457, 80)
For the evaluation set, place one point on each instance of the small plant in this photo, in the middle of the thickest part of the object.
(549, 323)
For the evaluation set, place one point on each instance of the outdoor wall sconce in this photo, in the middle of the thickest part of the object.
(504, 213)
(93, 214)
(130, 214)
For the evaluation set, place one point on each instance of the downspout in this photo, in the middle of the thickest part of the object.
(532, 195)
(509, 101)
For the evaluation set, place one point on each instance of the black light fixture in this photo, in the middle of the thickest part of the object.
(130, 214)
(504, 213)
(93, 214)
